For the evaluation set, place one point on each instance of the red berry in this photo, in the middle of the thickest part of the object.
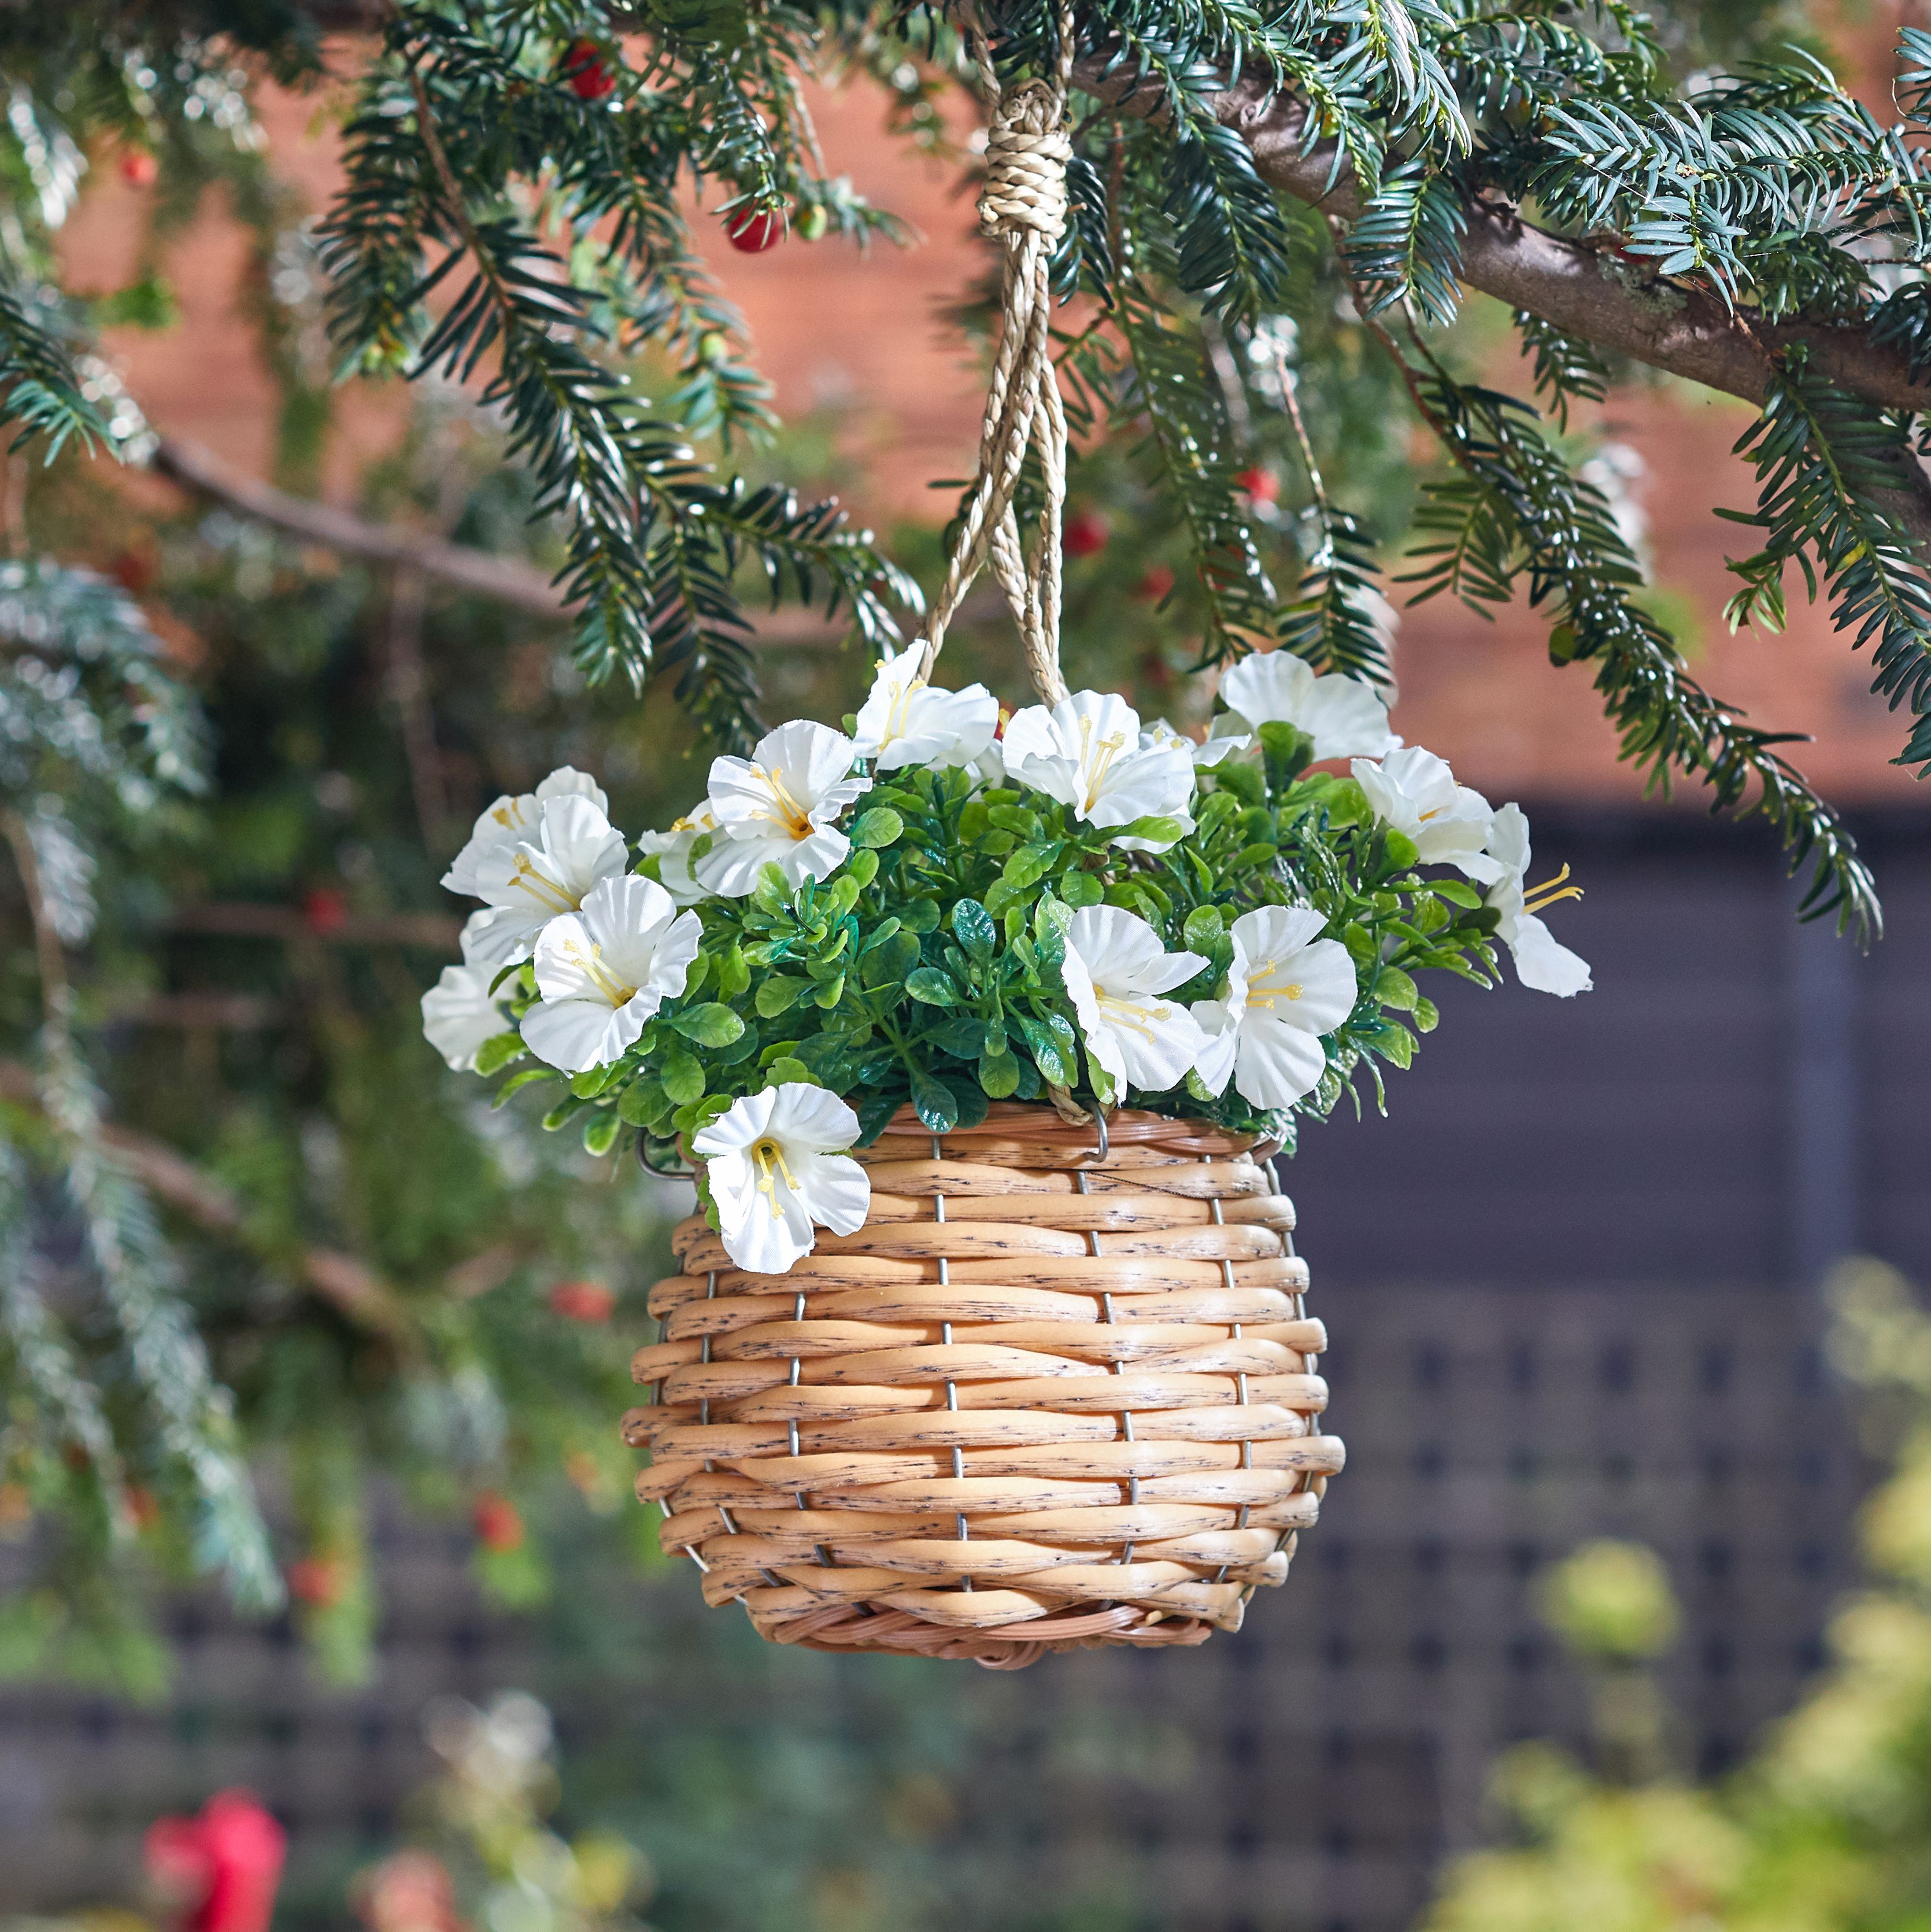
(144, 1506)
(324, 910)
(1086, 532)
(590, 79)
(1261, 485)
(1155, 585)
(133, 571)
(139, 168)
(754, 229)
(315, 1581)
(498, 1526)
(582, 1301)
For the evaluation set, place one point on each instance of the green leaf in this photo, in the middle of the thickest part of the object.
(972, 926)
(935, 988)
(1155, 831)
(920, 916)
(644, 1103)
(1081, 889)
(1287, 752)
(600, 1131)
(888, 964)
(829, 993)
(999, 1074)
(880, 826)
(1028, 866)
(1252, 858)
(787, 1069)
(1428, 1015)
(710, 1025)
(1395, 988)
(528, 1077)
(683, 1076)
(1455, 893)
(1055, 1070)
(734, 975)
(499, 1051)
(1203, 929)
(934, 1102)
(779, 994)
(862, 866)
(1402, 850)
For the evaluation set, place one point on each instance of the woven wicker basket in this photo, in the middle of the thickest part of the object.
(1050, 1395)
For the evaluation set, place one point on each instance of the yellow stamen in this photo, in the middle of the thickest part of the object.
(599, 975)
(1127, 1014)
(1551, 891)
(1098, 756)
(764, 1153)
(795, 818)
(895, 716)
(544, 890)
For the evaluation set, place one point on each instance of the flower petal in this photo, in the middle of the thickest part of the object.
(581, 1032)
(1543, 963)
(811, 1117)
(458, 1015)
(1277, 1064)
(835, 1190)
(743, 1122)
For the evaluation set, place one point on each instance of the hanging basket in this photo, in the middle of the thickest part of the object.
(1055, 1392)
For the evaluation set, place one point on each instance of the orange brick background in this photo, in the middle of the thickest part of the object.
(864, 332)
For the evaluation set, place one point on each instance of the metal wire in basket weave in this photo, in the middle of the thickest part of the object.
(1056, 1392)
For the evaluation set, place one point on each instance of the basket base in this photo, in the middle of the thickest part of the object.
(850, 1627)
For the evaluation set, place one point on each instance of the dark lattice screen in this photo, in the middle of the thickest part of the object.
(1571, 1285)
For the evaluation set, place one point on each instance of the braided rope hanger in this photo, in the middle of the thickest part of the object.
(1024, 203)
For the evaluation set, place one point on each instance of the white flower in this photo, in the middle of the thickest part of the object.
(775, 1166)
(672, 850)
(604, 970)
(1284, 989)
(777, 806)
(458, 1014)
(1345, 718)
(907, 722)
(511, 819)
(1160, 735)
(1540, 962)
(528, 882)
(1087, 753)
(1115, 970)
(1414, 792)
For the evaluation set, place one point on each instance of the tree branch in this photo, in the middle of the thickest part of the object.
(1600, 296)
(506, 580)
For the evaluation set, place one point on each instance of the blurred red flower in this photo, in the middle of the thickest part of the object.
(325, 909)
(1086, 531)
(582, 1301)
(498, 1526)
(222, 1866)
(408, 1892)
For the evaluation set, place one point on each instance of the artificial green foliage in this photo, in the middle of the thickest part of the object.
(928, 969)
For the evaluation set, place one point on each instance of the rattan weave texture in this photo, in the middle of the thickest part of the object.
(1046, 1396)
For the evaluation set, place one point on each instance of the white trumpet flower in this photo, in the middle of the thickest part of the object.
(1345, 718)
(528, 882)
(1414, 792)
(1086, 752)
(605, 969)
(458, 1014)
(906, 721)
(1541, 961)
(776, 1167)
(1115, 971)
(672, 851)
(512, 819)
(777, 807)
(1285, 987)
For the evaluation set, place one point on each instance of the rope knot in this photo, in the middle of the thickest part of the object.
(1026, 157)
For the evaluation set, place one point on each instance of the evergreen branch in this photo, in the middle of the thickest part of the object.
(1823, 462)
(1519, 511)
(1189, 443)
(191, 1415)
(1406, 246)
(39, 389)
